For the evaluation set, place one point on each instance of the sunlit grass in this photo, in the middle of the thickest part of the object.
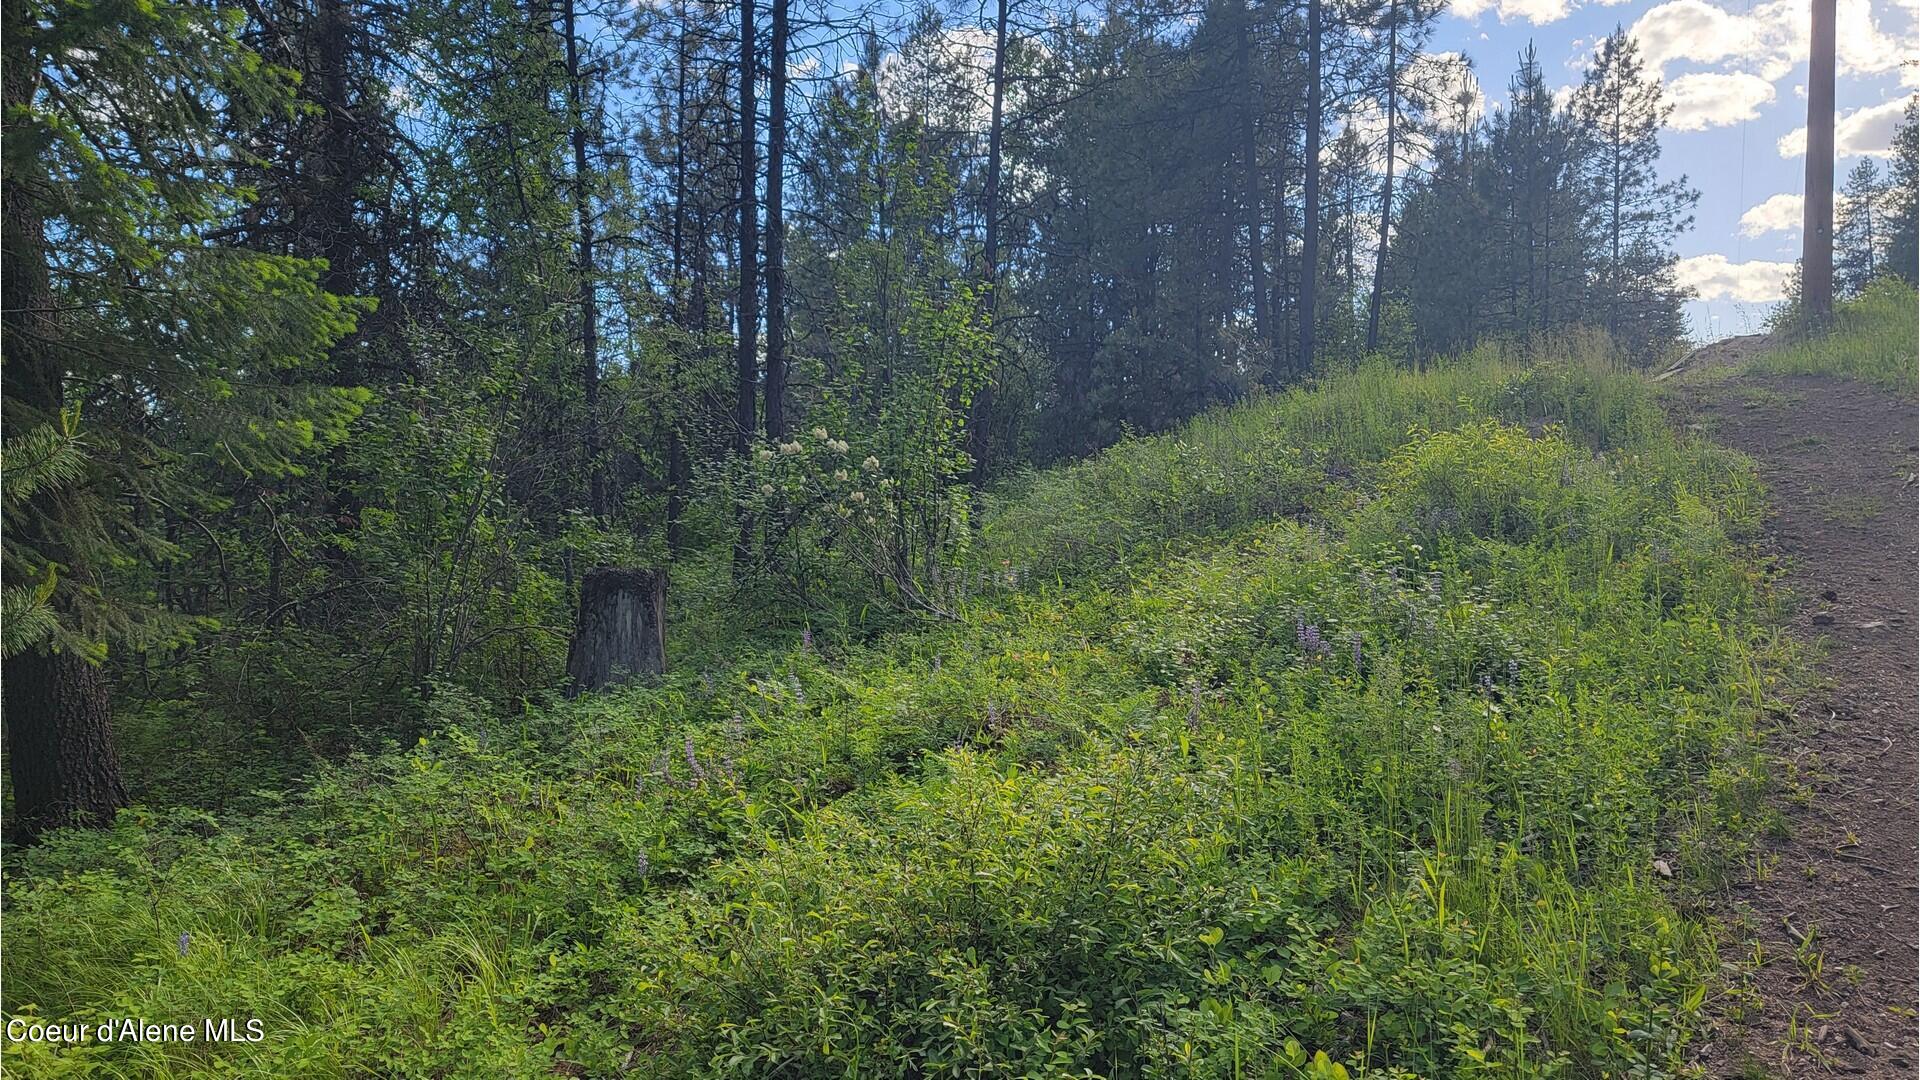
(1874, 339)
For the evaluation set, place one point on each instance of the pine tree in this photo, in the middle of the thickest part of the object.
(157, 354)
(1902, 214)
(1859, 239)
(1634, 216)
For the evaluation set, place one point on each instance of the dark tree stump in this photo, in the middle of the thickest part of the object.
(621, 630)
(59, 744)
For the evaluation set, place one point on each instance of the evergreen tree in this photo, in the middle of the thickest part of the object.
(1859, 238)
(1633, 214)
(152, 354)
(1902, 215)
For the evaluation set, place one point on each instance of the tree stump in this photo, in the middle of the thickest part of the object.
(621, 629)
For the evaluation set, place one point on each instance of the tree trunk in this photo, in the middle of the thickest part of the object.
(980, 410)
(620, 631)
(776, 418)
(1250, 152)
(676, 441)
(58, 721)
(60, 755)
(1386, 187)
(597, 495)
(747, 308)
(1310, 228)
(1816, 226)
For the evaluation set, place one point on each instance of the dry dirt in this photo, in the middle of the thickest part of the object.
(1839, 459)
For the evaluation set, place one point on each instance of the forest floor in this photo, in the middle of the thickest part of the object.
(1823, 935)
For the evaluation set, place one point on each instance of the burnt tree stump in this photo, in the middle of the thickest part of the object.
(621, 629)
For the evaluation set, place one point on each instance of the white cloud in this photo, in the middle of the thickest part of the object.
(1537, 12)
(1779, 213)
(1770, 40)
(1864, 132)
(1714, 278)
(1710, 99)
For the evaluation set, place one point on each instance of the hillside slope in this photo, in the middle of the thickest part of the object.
(1398, 726)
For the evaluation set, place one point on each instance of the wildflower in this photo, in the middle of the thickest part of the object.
(766, 489)
(799, 693)
(791, 447)
(840, 475)
(838, 446)
(693, 765)
(1356, 652)
(872, 463)
(186, 942)
(1513, 669)
(819, 433)
(643, 865)
(806, 637)
(858, 496)
(764, 454)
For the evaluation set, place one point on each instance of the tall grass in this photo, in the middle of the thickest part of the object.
(1875, 338)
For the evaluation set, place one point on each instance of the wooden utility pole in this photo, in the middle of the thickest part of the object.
(1816, 225)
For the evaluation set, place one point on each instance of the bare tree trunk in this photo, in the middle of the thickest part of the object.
(1816, 226)
(621, 630)
(747, 308)
(1250, 153)
(597, 496)
(1386, 186)
(1310, 228)
(676, 442)
(776, 409)
(980, 410)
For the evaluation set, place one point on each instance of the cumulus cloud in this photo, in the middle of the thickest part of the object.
(1780, 213)
(1768, 41)
(1714, 278)
(1711, 99)
(1864, 132)
(1537, 12)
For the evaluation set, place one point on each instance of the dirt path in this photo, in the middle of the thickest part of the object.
(1839, 459)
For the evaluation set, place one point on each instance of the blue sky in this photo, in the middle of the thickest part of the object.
(1736, 71)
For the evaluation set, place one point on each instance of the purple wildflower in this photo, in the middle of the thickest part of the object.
(186, 942)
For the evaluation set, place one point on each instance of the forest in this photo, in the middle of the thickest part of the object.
(562, 537)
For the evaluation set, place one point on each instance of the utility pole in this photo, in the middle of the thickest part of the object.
(1816, 226)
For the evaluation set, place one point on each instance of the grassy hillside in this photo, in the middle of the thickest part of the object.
(1339, 733)
(1872, 340)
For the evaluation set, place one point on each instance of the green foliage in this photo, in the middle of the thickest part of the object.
(1280, 798)
(1873, 339)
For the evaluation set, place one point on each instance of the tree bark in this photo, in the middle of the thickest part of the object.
(60, 753)
(620, 632)
(1816, 226)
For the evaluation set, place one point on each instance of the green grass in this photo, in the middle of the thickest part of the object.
(1351, 758)
(1873, 340)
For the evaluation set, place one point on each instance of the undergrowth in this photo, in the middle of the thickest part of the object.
(1873, 339)
(1334, 735)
